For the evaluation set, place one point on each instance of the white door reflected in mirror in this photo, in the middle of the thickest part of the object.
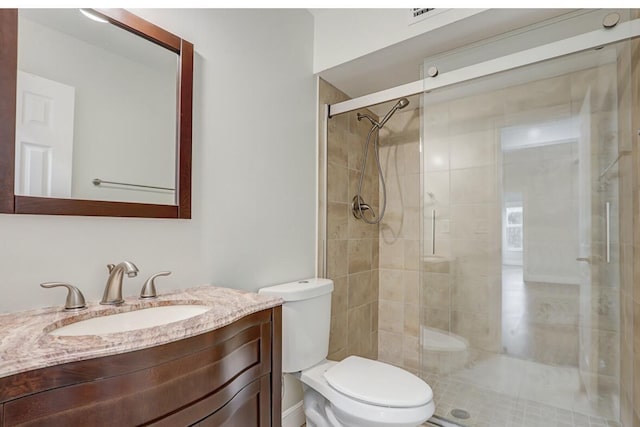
(44, 136)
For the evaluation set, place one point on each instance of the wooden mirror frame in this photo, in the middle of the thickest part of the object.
(12, 203)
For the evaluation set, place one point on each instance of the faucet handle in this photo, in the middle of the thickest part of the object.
(149, 287)
(75, 299)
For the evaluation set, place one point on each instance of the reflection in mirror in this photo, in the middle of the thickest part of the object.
(93, 101)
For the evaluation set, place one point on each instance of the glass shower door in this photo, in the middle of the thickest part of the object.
(520, 254)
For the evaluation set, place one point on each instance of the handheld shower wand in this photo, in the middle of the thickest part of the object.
(358, 205)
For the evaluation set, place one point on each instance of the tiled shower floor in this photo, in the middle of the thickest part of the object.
(509, 406)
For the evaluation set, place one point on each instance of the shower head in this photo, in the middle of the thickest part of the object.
(402, 102)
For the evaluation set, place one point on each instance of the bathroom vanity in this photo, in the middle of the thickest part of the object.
(219, 368)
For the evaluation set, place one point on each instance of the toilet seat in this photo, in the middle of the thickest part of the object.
(355, 412)
(378, 383)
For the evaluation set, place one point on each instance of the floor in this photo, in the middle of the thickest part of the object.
(535, 382)
(505, 391)
(540, 321)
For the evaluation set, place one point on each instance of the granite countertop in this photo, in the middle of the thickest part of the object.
(25, 343)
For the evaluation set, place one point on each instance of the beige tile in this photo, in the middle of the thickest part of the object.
(337, 258)
(411, 254)
(541, 93)
(436, 155)
(375, 284)
(338, 183)
(475, 222)
(359, 330)
(476, 258)
(411, 155)
(626, 369)
(391, 316)
(355, 144)
(411, 281)
(410, 353)
(626, 410)
(375, 253)
(338, 333)
(436, 265)
(338, 355)
(473, 185)
(337, 216)
(605, 308)
(360, 289)
(410, 190)
(473, 149)
(392, 254)
(436, 290)
(390, 348)
(470, 293)
(438, 317)
(393, 221)
(411, 320)
(374, 318)
(339, 296)
(337, 144)
(359, 252)
(465, 112)
(391, 285)
(373, 355)
(411, 226)
(436, 183)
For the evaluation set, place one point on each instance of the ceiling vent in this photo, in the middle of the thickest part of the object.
(420, 14)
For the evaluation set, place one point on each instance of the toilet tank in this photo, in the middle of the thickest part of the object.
(306, 317)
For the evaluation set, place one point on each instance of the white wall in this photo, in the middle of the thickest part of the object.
(342, 35)
(253, 176)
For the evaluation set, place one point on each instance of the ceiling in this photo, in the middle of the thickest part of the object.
(402, 63)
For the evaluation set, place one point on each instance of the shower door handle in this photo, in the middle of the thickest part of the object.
(433, 232)
(607, 218)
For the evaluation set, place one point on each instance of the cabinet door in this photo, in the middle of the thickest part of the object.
(213, 374)
(251, 407)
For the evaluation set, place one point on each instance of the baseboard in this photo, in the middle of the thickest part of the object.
(294, 416)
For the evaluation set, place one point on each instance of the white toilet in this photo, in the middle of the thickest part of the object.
(355, 392)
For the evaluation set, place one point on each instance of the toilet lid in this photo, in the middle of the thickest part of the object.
(378, 383)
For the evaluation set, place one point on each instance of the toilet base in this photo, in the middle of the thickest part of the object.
(319, 412)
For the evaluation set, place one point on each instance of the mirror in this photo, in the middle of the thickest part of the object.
(98, 124)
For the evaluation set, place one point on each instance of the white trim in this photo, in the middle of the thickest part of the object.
(294, 416)
(545, 52)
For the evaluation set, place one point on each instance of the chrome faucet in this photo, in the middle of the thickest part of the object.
(113, 290)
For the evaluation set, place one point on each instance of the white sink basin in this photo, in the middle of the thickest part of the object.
(131, 320)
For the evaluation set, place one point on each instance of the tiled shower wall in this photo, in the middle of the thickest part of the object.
(635, 326)
(352, 246)
(629, 98)
(398, 339)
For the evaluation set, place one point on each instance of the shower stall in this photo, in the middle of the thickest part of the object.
(500, 269)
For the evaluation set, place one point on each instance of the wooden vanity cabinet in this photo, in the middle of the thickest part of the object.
(227, 377)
